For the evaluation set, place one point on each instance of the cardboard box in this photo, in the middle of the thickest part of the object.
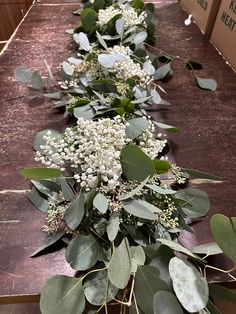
(10, 16)
(224, 31)
(204, 13)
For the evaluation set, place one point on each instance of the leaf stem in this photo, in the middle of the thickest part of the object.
(220, 270)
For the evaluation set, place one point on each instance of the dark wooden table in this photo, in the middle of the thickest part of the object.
(206, 140)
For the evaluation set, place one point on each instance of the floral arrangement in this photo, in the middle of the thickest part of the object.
(107, 186)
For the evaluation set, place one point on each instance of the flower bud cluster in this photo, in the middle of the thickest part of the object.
(128, 13)
(127, 68)
(177, 174)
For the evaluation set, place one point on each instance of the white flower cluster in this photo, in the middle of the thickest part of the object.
(127, 67)
(90, 148)
(94, 147)
(130, 16)
(149, 143)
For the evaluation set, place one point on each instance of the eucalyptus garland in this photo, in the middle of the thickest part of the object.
(106, 185)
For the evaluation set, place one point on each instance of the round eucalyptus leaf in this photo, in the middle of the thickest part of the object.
(165, 302)
(108, 60)
(224, 232)
(113, 227)
(36, 80)
(148, 68)
(97, 288)
(23, 74)
(136, 127)
(147, 283)
(119, 269)
(162, 71)
(82, 40)
(140, 37)
(101, 203)
(62, 294)
(136, 165)
(190, 287)
(67, 68)
(82, 252)
(138, 257)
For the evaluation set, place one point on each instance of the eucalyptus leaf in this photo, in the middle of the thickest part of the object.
(113, 227)
(82, 252)
(156, 98)
(120, 23)
(136, 127)
(39, 173)
(178, 248)
(190, 287)
(161, 262)
(56, 95)
(48, 242)
(108, 60)
(197, 202)
(148, 68)
(162, 71)
(202, 175)
(140, 37)
(165, 302)
(224, 232)
(149, 206)
(166, 127)
(23, 74)
(135, 208)
(136, 165)
(212, 308)
(101, 203)
(206, 83)
(88, 18)
(36, 80)
(74, 60)
(67, 68)
(85, 112)
(119, 269)
(67, 190)
(40, 202)
(211, 248)
(147, 283)
(161, 166)
(62, 294)
(138, 257)
(158, 189)
(134, 191)
(51, 185)
(75, 212)
(101, 40)
(98, 289)
(82, 40)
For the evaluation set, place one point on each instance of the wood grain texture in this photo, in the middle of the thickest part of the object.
(206, 140)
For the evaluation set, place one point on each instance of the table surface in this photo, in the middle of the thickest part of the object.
(206, 140)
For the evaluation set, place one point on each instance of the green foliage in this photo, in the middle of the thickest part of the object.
(136, 165)
(190, 287)
(147, 283)
(83, 252)
(97, 288)
(161, 166)
(62, 294)
(166, 302)
(48, 242)
(206, 83)
(75, 212)
(136, 127)
(224, 232)
(88, 18)
(119, 269)
(40, 173)
(133, 207)
(101, 203)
